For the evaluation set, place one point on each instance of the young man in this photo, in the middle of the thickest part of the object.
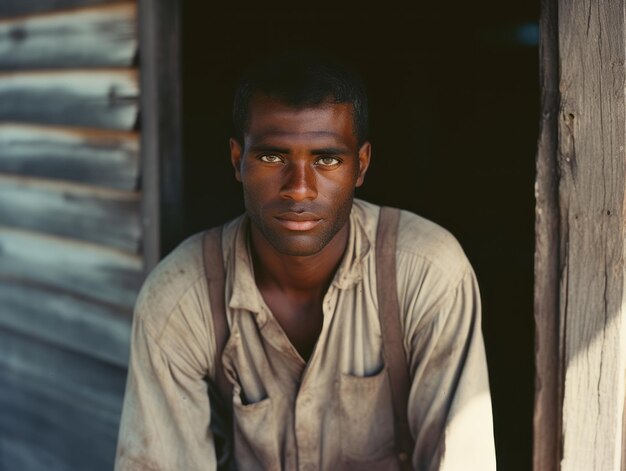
(305, 354)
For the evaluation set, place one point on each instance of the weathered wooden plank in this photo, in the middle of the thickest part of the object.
(25, 7)
(78, 401)
(106, 158)
(99, 98)
(92, 37)
(18, 454)
(548, 388)
(92, 329)
(55, 433)
(62, 375)
(108, 217)
(591, 193)
(88, 270)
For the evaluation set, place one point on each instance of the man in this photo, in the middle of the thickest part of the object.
(304, 355)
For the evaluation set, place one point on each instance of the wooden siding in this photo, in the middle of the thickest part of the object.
(105, 99)
(63, 408)
(13, 8)
(109, 217)
(93, 271)
(94, 36)
(71, 237)
(95, 330)
(102, 158)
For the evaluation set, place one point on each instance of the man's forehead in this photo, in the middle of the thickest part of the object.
(272, 118)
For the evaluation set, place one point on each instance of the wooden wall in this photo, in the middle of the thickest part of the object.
(71, 236)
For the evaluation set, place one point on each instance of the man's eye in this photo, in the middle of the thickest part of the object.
(328, 161)
(270, 158)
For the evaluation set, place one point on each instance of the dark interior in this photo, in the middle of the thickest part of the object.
(454, 101)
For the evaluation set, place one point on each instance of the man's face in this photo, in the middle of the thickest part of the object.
(299, 168)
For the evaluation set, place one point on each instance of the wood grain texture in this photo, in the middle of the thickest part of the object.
(548, 378)
(92, 329)
(108, 217)
(93, 37)
(99, 98)
(93, 157)
(19, 454)
(591, 162)
(86, 270)
(78, 404)
(10, 8)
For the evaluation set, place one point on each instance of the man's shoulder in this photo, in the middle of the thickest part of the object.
(173, 277)
(178, 282)
(420, 237)
(422, 242)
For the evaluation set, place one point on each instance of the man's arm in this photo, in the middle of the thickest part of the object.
(449, 407)
(166, 413)
(449, 402)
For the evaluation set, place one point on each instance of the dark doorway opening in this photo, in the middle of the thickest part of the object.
(454, 109)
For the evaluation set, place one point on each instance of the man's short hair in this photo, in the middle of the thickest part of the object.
(301, 79)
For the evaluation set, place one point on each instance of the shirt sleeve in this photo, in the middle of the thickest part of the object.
(166, 412)
(449, 401)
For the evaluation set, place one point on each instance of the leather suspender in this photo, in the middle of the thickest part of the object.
(221, 424)
(391, 329)
(388, 311)
(215, 274)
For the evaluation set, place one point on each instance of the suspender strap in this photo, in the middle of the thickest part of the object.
(221, 423)
(215, 273)
(393, 344)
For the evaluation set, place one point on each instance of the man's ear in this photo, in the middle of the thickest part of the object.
(235, 157)
(365, 152)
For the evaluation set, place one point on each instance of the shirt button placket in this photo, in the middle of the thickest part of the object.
(304, 434)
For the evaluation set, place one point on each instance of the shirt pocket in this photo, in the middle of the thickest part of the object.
(256, 440)
(366, 421)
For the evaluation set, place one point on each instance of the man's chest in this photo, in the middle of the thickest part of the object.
(334, 407)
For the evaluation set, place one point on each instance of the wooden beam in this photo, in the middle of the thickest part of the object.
(161, 132)
(101, 36)
(9, 8)
(86, 270)
(106, 158)
(93, 214)
(583, 162)
(93, 329)
(89, 98)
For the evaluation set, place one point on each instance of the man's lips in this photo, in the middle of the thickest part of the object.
(298, 221)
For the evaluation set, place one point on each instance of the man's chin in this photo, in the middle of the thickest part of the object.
(297, 246)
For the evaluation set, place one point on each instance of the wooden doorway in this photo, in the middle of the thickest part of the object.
(454, 105)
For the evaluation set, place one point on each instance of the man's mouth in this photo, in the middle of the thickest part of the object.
(298, 221)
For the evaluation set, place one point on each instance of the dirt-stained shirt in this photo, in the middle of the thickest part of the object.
(335, 411)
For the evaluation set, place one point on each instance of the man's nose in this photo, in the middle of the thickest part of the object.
(299, 183)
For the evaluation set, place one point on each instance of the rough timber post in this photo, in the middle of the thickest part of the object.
(580, 225)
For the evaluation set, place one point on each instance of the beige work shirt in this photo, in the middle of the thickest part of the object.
(334, 411)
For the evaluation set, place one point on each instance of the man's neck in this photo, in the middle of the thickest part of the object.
(298, 276)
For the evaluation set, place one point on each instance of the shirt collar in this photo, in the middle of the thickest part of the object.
(240, 271)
